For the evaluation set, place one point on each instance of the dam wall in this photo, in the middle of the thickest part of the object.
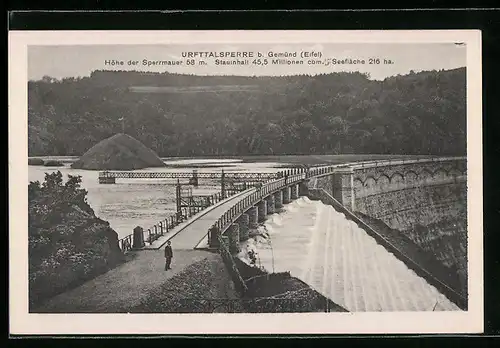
(426, 201)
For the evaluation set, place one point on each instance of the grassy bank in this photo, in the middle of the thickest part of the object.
(202, 287)
(206, 287)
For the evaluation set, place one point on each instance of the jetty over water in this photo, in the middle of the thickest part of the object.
(109, 177)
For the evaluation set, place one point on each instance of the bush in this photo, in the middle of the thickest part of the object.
(68, 244)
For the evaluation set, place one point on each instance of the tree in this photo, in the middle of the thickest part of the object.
(421, 113)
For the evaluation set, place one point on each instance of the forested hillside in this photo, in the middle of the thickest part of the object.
(419, 113)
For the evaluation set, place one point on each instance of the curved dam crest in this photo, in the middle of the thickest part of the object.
(320, 246)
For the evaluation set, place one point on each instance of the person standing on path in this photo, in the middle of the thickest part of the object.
(168, 256)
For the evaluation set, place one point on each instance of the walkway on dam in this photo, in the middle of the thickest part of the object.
(128, 284)
(123, 287)
(189, 234)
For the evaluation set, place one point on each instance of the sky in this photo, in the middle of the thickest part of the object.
(80, 60)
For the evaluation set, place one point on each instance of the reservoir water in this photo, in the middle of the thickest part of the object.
(145, 202)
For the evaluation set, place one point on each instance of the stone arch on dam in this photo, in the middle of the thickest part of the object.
(373, 180)
(395, 193)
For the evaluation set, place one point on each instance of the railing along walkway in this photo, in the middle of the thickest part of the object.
(294, 176)
(254, 197)
(191, 236)
(169, 223)
(223, 216)
(328, 169)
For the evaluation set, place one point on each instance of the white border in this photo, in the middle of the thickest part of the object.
(22, 322)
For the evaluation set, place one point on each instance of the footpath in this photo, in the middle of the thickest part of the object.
(123, 287)
(190, 233)
(129, 284)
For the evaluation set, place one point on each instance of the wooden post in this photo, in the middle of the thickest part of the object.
(138, 238)
(178, 199)
(223, 185)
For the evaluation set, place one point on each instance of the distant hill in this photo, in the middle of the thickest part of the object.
(172, 114)
(119, 152)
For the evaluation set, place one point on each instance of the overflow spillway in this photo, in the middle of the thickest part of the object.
(341, 261)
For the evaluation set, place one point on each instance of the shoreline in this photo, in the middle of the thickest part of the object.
(293, 159)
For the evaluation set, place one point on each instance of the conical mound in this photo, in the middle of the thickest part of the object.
(119, 152)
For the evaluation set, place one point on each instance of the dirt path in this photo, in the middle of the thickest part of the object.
(127, 285)
(123, 287)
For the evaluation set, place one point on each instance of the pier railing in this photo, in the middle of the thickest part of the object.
(256, 176)
(125, 243)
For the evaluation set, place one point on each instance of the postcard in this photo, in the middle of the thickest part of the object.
(245, 182)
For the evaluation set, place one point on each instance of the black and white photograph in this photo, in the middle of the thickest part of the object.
(324, 177)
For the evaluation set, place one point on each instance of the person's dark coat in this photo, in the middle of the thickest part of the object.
(168, 252)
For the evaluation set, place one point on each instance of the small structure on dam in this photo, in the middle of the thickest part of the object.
(119, 152)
